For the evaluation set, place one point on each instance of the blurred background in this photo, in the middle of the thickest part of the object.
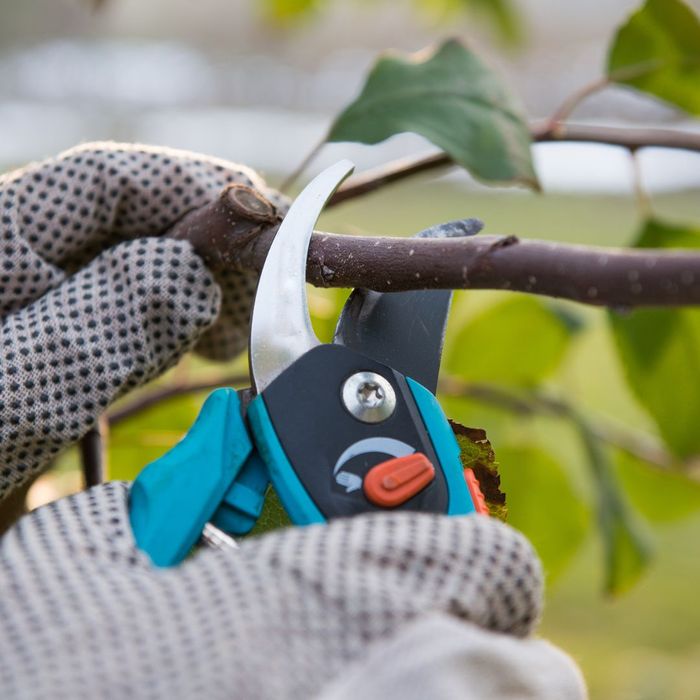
(259, 83)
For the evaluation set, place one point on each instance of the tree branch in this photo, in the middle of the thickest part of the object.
(544, 132)
(618, 278)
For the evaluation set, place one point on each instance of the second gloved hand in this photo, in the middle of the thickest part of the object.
(390, 606)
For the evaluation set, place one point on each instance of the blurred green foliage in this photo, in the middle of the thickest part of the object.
(501, 15)
(660, 352)
(626, 545)
(658, 51)
(556, 530)
(517, 342)
(286, 10)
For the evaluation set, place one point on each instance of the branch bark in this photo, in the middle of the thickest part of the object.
(226, 235)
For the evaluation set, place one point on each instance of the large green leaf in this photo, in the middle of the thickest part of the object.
(452, 99)
(660, 354)
(626, 545)
(660, 495)
(517, 342)
(658, 51)
(543, 504)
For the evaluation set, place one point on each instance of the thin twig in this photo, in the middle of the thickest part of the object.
(632, 139)
(523, 404)
(567, 107)
(152, 397)
(533, 403)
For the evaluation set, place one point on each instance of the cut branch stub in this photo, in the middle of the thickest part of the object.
(218, 229)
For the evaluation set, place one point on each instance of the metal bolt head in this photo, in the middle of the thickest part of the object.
(369, 397)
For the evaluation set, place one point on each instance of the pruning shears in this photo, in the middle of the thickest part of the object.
(336, 428)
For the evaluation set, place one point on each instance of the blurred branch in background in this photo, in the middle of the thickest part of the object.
(521, 403)
(631, 138)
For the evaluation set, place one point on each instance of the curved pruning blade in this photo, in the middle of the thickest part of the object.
(280, 328)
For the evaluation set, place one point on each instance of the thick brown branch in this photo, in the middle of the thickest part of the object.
(617, 278)
(601, 276)
(632, 139)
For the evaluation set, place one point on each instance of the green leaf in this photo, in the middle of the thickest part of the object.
(660, 353)
(658, 51)
(452, 99)
(476, 453)
(658, 234)
(626, 545)
(661, 496)
(517, 342)
(543, 504)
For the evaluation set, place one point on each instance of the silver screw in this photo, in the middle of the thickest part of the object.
(369, 397)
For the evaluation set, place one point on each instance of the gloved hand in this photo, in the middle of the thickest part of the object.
(397, 606)
(92, 302)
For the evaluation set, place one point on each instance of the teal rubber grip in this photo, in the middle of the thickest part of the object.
(244, 500)
(294, 497)
(446, 448)
(174, 496)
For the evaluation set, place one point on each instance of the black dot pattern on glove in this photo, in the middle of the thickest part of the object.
(85, 615)
(57, 215)
(70, 346)
(115, 324)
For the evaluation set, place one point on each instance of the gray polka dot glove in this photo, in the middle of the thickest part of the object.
(92, 301)
(397, 606)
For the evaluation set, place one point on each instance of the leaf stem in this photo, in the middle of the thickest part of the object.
(640, 193)
(291, 179)
(567, 107)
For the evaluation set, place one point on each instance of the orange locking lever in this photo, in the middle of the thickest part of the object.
(391, 483)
